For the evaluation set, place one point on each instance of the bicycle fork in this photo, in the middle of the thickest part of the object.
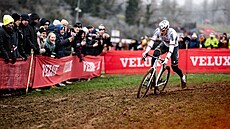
(151, 77)
(158, 77)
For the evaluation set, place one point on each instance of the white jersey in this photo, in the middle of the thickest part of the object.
(169, 38)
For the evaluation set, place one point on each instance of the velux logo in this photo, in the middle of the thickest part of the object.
(210, 60)
(135, 62)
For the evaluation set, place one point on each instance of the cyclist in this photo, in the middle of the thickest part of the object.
(169, 44)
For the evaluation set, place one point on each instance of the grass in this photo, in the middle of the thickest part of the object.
(125, 81)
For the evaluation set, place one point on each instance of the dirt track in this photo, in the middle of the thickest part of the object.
(199, 106)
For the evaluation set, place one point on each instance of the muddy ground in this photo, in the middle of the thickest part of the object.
(200, 106)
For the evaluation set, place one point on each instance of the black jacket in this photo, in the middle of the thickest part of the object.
(7, 46)
(18, 41)
(31, 40)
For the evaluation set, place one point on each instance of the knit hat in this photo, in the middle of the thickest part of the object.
(34, 16)
(44, 21)
(89, 26)
(16, 17)
(42, 30)
(78, 24)
(25, 17)
(7, 19)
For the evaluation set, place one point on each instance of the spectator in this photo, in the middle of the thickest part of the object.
(17, 37)
(31, 35)
(92, 48)
(133, 45)
(61, 42)
(223, 42)
(41, 37)
(118, 46)
(143, 43)
(24, 28)
(50, 45)
(65, 23)
(92, 33)
(7, 48)
(211, 42)
(202, 40)
(181, 42)
(194, 43)
(67, 34)
(80, 41)
(104, 39)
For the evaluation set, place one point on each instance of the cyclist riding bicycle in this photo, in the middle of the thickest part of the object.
(169, 44)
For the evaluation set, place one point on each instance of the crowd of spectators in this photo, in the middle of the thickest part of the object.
(213, 40)
(22, 35)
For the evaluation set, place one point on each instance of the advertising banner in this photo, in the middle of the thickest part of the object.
(190, 61)
(50, 71)
(207, 60)
(14, 76)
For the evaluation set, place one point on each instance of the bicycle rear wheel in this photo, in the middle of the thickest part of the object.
(147, 83)
(162, 81)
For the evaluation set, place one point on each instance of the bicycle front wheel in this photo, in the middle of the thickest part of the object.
(146, 84)
(162, 80)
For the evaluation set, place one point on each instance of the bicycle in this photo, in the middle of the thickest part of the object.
(153, 79)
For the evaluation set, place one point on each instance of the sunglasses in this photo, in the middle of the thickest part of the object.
(163, 30)
(101, 29)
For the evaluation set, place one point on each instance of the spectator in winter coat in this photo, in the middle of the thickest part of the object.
(18, 37)
(202, 40)
(31, 36)
(24, 28)
(41, 37)
(7, 47)
(211, 42)
(104, 39)
(61, 42)
(80, 42)
(50, 45)
(194, 43)
(223, 42)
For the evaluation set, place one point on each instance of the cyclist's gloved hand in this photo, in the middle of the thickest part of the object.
(144, 55)
(166, 61)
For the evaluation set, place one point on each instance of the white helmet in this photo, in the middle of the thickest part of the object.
(164, 25)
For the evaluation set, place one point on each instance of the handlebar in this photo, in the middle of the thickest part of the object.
(158, 58)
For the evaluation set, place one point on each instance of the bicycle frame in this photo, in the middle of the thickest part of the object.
(154, 66)
(159, 79)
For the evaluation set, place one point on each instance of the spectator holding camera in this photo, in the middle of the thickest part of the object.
(79, 43)
(61, 41)
(104, 39)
